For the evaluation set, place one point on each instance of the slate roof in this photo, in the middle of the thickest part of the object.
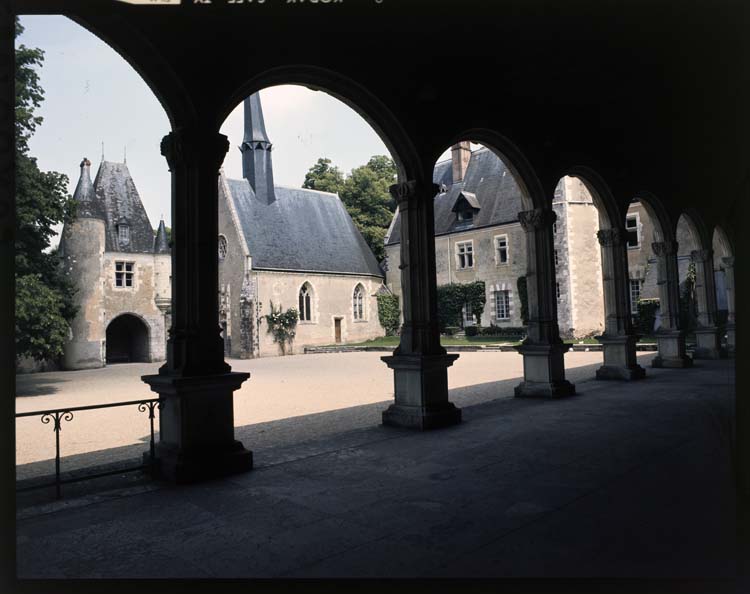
(118, 198)
(301, 229)
(161, 242)
(86, 203)
(487, 177)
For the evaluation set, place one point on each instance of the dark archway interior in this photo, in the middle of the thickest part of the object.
(127, 340)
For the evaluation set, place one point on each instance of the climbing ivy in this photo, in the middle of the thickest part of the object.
(523, 296)
(389, 313)
(283, 326)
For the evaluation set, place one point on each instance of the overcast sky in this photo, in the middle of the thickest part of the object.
(92, 95)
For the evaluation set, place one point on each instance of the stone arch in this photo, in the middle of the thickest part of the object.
(378, 116)
(697, 229)
(532, 190)
(143, 57)
(610, 212)
(128, 339)
(658, 214)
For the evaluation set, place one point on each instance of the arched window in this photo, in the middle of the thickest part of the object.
(358, 302)
(305, 303)
(222, 247)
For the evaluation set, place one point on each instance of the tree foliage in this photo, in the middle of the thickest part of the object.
(44, 295)
(365, 194)
(389, 313)
(523, 296)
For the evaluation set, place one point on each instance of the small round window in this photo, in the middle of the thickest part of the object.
(222, 247)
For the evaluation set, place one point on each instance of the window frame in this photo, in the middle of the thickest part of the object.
(305, 303)
(123, 238)
(358, 303)
(634, 303)
(467, 254)
(496, 240)
(504, 295)
(225, 243)
(124, 272)
(637, 230)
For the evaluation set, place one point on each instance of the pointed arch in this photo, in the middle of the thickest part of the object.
(306, 302)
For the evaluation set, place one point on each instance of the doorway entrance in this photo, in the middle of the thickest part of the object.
(127, 340)
(337, 328)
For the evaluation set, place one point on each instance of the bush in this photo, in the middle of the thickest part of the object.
(389, 313)
(451, 330)
(644, 321)
(509, 331)
(472, 330)
(283, 326)
(453, 297)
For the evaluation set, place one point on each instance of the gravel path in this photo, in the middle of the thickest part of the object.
(280, 403)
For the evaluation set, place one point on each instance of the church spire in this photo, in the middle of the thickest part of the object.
(257, 167)
(161, 242)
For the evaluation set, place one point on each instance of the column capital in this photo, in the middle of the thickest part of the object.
(701, 255)
(403, 192)
(192, 145)
(611, 237)
(665, 248)
(538, 218)
(728, 262)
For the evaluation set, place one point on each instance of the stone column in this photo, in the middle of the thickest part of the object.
(669, 337)
(543, 351)
(195, 385)
(618, 340)
(729, 279)
(708, 344)
(420, 364)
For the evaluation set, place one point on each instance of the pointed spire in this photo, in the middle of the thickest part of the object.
(125, 155)
(257, 167)
(102, 151)
(84, 195)
(161, 242)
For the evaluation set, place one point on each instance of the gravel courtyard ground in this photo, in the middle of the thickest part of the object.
(280, 403)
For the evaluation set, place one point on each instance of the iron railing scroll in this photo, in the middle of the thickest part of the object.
(56, 418)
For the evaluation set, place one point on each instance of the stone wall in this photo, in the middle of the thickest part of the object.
(138, 300)
(331, 299)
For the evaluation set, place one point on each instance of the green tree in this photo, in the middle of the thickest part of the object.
(324, 178)
(365, 194)
(44, 295)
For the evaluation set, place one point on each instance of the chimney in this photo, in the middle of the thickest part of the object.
(257, 167)
(460, 155)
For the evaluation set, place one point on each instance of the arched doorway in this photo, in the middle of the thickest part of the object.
(127, 340)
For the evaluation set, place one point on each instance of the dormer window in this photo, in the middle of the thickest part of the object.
(123, 234)
(466, 207)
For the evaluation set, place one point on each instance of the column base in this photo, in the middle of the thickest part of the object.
(612, 372)
(558, 389)
(707, 344)
(620, 361)
(421, 392)
(671, 345)
(544, 371)
(182, 467)
(196, 427)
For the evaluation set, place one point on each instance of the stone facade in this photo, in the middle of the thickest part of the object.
(274, 240)
(121, 272)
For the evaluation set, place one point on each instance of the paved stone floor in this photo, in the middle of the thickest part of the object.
(624, 479)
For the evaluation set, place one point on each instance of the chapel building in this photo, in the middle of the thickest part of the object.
(289, 247)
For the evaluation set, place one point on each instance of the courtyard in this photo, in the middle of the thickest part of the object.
(625, 479)
(283, 401)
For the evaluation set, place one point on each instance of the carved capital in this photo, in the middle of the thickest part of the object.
(539, 218)
(611, 237)
(728, 262)
(404, 192)
(193, 147)
(664, 248)
(701, 255)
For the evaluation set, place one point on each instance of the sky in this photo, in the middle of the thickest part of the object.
(93, 96)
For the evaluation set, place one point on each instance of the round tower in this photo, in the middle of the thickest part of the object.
(81, 251)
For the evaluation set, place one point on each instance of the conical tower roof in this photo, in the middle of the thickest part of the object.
(87, 204)
(161, 242)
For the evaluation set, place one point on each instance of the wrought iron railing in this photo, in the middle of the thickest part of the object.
(56, 417)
